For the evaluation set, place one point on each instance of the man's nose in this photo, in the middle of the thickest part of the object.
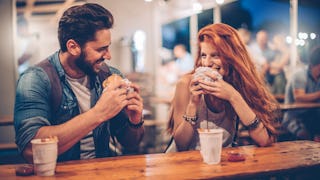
(107, 55)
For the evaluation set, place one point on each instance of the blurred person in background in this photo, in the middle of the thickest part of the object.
(184, 61)
(261, 52)
(275, 74)
(304, 87)
(27, 45)
(245, 36)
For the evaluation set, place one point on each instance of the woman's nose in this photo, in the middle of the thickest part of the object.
(206, 62)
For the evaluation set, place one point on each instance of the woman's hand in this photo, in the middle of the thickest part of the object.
(217, 87)
(195, 91)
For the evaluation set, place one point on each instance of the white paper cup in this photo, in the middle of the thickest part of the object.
(210, 145)
(45, 155)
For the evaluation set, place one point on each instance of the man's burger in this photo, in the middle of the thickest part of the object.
(116, 78)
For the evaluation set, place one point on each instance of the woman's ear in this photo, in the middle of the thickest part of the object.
(73, 47)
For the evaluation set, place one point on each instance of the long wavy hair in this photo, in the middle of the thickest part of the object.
(240, 72)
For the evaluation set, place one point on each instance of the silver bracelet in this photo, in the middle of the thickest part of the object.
(191, 119)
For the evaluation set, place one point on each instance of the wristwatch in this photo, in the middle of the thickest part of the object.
(136, 125)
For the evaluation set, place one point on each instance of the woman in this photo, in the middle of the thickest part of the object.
(209, 104)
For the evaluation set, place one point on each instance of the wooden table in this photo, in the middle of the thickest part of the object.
(296, 106)
(283, 158)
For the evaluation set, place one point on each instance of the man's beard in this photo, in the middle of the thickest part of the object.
(84, 65)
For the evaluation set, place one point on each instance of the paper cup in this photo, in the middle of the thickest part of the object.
(45, 155)
(210, 145)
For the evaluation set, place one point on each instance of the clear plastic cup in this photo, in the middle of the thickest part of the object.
(210, 145)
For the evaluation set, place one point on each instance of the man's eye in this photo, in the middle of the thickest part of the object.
(102, 49)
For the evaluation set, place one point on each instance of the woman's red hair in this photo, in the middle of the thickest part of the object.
(240, 72)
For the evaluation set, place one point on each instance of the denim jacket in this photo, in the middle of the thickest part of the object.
(33, 110)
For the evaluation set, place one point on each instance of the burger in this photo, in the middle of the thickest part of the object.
(116, 78)
(200, 73)
(111, 79)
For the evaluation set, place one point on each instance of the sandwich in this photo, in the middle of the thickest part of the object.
(116, 78)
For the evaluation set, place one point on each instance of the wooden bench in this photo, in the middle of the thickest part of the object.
(9, 154)
(8, 146)
(6, 120)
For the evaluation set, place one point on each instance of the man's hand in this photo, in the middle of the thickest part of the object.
(112, 101)
(134, 106)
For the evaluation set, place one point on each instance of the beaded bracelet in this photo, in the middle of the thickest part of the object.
(254, 124)
(190, 119)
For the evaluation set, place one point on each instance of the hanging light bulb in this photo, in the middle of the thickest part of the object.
(219, 2)
(197, 7)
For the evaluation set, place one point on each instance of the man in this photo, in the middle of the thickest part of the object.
(304, 86)
(276, 72)
(87, 116)
(261, 53)
(184, 59)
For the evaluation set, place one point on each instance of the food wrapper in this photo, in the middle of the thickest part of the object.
(128, 87)
(200, 73)
(115, 77)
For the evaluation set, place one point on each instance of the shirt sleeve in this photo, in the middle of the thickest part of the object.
(299, 80)
(128, 137)
(32, 107)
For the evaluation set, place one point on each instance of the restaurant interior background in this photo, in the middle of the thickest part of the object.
(143, 37)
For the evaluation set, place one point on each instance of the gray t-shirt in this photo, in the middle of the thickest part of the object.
(207, 118)
(81, 89)
(211, 120)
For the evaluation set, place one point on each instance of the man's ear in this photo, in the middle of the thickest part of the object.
(73, 47)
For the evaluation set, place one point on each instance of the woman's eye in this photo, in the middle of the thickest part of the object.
(216, 67)
(215, 56)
